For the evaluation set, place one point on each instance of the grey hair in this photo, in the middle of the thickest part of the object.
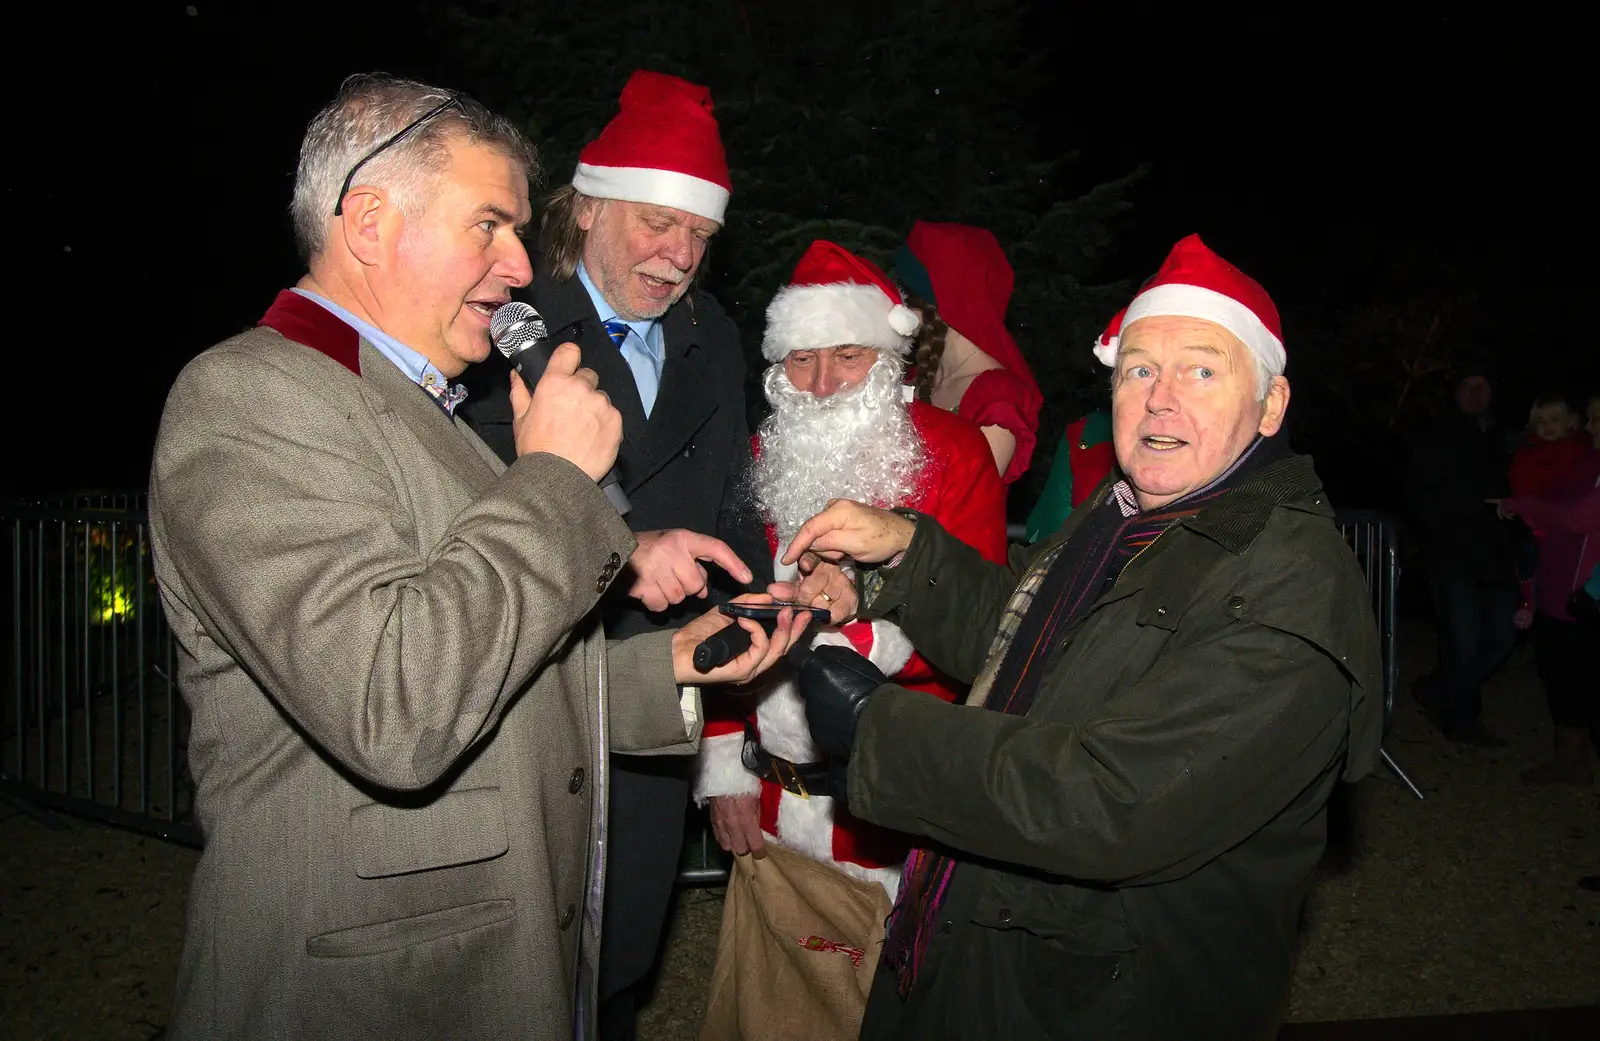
(560, 237)
(1264, 377)
(368, 110)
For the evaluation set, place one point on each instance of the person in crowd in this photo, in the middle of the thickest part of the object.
(1123, 819)
(1566, 517)
(1554, 441)
(402, 696)
(838, 337)
(1455, 466)
(624, 245)
(1552, 445)
(967, 362)
(1083, 459)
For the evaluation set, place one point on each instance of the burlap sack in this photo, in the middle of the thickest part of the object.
(799, 944)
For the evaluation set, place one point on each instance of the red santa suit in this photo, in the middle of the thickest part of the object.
(959, 488)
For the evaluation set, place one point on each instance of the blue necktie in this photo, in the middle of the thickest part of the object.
(645, 376)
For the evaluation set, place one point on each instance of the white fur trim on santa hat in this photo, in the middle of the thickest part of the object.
(681, 191)
(805, 825)
(720, 770)
(1187, 301)
(806, 318)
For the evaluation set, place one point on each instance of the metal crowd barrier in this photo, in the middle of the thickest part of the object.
(1373, 538)
(95, 727)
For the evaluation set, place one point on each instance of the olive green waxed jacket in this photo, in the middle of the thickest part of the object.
(1137, 848)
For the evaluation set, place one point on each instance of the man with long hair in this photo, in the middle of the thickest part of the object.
(622, 246)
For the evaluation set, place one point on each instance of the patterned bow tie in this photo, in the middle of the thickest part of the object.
(447, 395)
(618, 331)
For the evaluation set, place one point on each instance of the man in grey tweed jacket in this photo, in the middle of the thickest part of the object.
(402, 699)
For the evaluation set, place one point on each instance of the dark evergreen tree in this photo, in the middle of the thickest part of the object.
(844, 121)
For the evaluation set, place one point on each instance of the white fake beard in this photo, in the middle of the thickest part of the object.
(857, 444)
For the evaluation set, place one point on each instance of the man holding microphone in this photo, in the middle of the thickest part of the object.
(402, 698)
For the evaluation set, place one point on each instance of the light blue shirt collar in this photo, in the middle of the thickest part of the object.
(416, 366)
(641, 348)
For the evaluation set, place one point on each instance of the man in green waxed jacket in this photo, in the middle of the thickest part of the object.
(1122, 822)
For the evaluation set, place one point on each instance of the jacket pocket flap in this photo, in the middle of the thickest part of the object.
(1079, 918)
(456, 828)
(383, 937)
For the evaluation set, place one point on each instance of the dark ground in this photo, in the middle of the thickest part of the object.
(1462, 903)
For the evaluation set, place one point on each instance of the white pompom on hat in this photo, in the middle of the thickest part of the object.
(835, 299)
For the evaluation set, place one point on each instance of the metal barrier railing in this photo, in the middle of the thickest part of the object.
(94, 724)
(95, 727)
(703, 863)
(1373, 537)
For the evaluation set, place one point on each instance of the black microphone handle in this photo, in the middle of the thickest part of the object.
(721, 647)
(530, 363)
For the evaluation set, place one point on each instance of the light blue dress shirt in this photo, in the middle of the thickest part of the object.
(642, 347)
(417, 367)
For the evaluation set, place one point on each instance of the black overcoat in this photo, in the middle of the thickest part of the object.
(683, 467)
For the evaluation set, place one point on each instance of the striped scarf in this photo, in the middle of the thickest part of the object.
(1055, 593)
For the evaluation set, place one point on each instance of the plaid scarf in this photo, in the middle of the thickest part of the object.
(1055, 593)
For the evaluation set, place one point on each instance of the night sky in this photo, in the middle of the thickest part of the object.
(1311, 151)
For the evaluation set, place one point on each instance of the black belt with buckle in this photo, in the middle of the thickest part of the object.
(800, 778)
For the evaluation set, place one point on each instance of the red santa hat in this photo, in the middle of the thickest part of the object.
(835, 298)
(971, 280)
(662, 148)
(1196, 283)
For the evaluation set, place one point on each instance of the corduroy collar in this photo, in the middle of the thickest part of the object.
(1238, 517)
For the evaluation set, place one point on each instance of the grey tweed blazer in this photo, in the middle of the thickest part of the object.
(402, 702)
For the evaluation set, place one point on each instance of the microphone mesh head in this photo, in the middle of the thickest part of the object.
(514, 326)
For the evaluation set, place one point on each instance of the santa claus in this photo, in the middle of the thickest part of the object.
(838, 337)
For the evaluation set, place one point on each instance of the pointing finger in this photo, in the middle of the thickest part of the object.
(717, 552)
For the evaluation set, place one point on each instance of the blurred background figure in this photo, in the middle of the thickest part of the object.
(1553, 443)
(1083, 459)
(1456, 467)
(1565, 517)
(967, 361)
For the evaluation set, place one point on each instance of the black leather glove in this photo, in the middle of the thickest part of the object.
(836, 682)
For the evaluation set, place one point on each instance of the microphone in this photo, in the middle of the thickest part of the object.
(520, 334)
(721, 647)
(733, 640)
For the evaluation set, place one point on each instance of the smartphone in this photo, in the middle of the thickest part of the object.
(768, 612)
(732, 640)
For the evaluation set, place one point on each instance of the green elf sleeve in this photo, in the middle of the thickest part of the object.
(1083, 459)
